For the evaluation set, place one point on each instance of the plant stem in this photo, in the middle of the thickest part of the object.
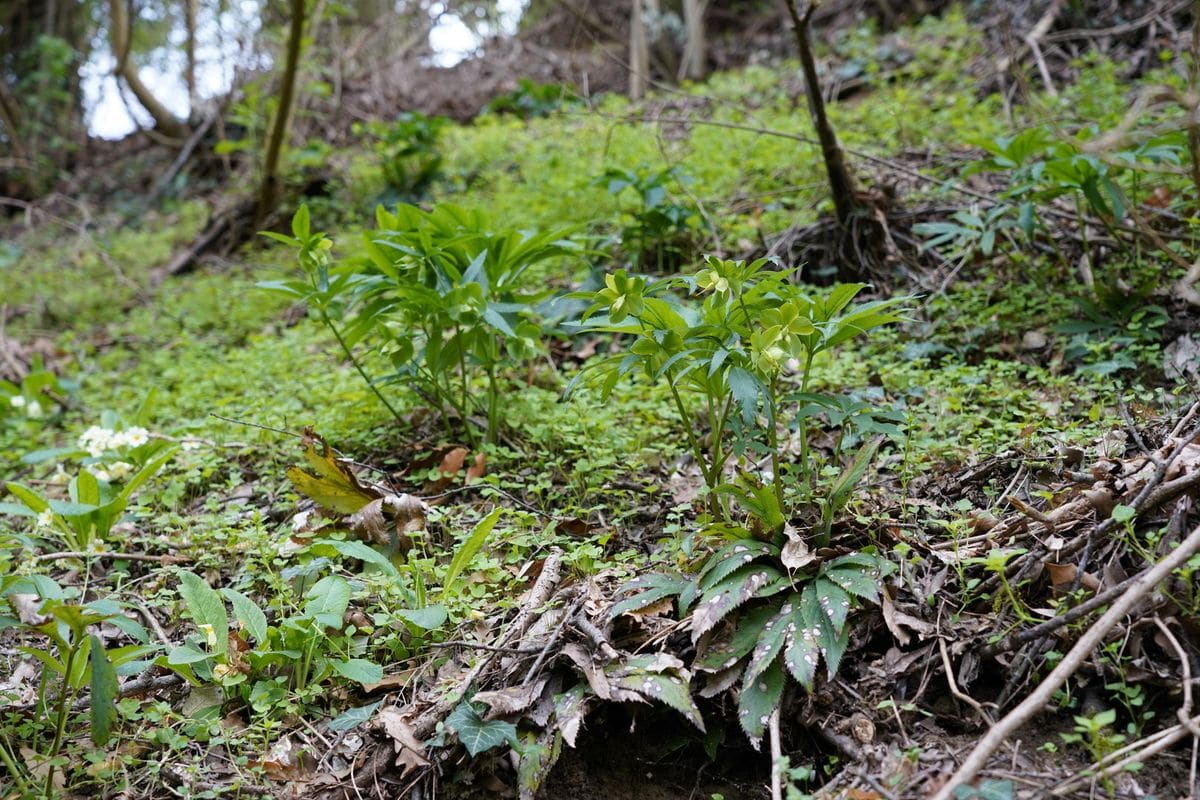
(358, 367)
(773, 441)
(60, 728)
(10, 763)
(804, 466)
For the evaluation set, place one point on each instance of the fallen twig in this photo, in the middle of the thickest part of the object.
(1037, 699)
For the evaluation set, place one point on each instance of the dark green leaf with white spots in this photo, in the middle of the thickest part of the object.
(834, 602)
(749, 582)
(802, 652)
(862, 584)
(648, 589)
(771, 639)
(723, 653)
(732, 556)
(758, 700)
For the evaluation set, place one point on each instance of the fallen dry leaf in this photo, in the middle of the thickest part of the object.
(512, 699)
(410, 753)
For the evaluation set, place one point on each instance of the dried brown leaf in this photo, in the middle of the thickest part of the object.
(410, 753)
(511, 700)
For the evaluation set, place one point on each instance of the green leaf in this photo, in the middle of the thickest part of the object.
(724, 653)
(353, 717)
(27, 496)
(467, 550)
(646, 590)
(772, 636)
(327, 601)
(186, 654)
(363, 552)
(301, 226)
(670, 686)
(717, 602)
(745, 389)
(428, 618)
(802, 653)
(477, 734)
(1123, 513)
(359, 670)
(206, 608)
(102, 703)
(758, 701)
(834, 602)
(248, 614)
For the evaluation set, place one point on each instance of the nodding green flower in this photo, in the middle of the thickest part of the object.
(766, 350)
(712, 279)
(789, 320)
(622, 294)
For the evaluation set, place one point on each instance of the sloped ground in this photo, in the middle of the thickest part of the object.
(1036, 472)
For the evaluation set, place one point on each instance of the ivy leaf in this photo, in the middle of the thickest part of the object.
(759, 698)
(477, 734)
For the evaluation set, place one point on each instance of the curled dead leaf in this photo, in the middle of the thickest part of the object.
(795, 553)
(410, 752)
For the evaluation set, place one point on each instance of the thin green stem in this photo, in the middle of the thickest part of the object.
(358, 367)
(805, 468)
(10, 763)
(60, 729)
(773, 439)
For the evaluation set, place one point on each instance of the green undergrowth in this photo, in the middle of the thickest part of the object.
(978, 369)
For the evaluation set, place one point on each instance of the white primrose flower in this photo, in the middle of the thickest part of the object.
(119, 471)
(45, 519)
(34, 410)
(192, 444)
(133, 437)
(96, 440)
(17, 401)
(101, 475)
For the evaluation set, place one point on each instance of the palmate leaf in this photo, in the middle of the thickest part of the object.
(657, 677)
(751, 581)
(648, 589)
(729, 558)
(771, 639)
(758, 700)
(327, 481)
(724, 653)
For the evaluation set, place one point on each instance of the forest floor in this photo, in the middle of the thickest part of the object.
(217, 528)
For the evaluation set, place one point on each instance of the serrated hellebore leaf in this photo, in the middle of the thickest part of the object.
(717, 602)
(834, 602)
(758, 700)
(771, 638)
(802, 653)
(722, 654)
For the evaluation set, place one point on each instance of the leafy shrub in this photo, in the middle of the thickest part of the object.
(445, 295)
(531, 99)
(408, 151)
(734, 355)
(39, 395)
(656, 232)
(758, 613)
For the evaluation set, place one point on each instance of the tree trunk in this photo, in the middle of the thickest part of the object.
(165, 122)
(189, 45)
(268, 196)
(695, 51)
(639, 52)
(841, 184)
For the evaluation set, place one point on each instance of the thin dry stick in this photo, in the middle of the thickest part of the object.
(954, 690)
(1071, 662)
(776, 758)
(1185, 711)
